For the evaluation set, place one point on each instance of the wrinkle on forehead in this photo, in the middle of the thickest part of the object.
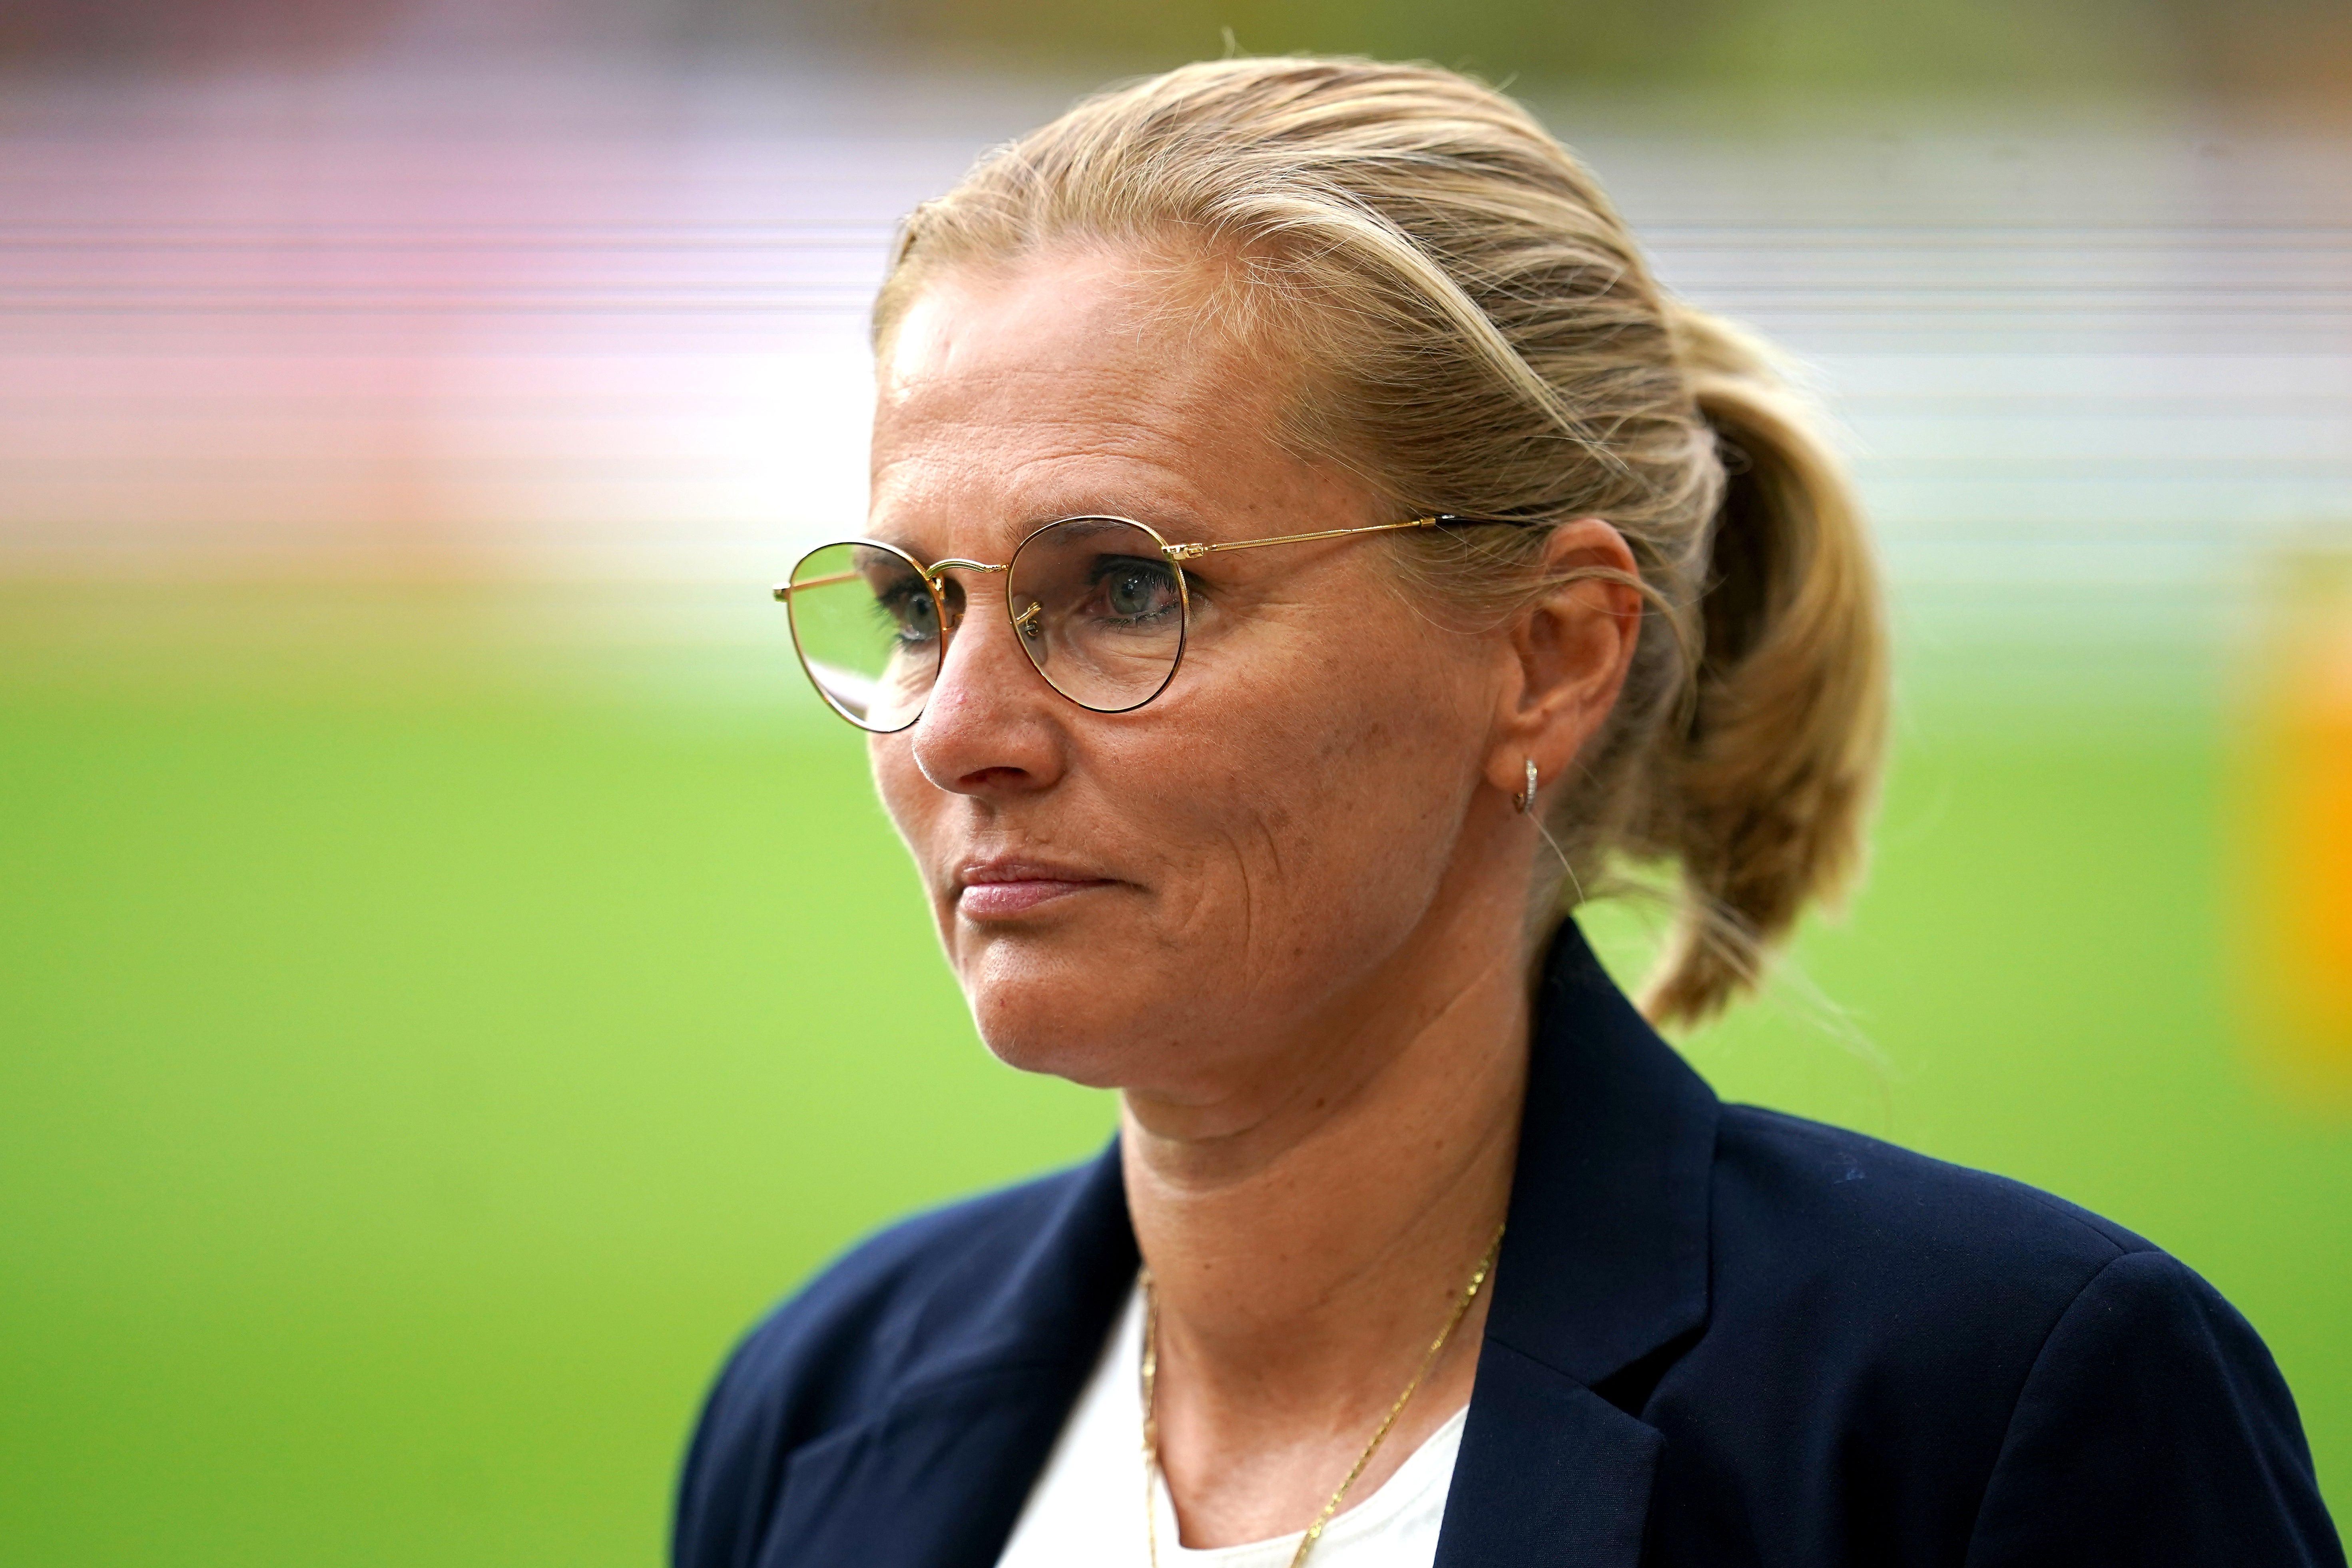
(1077, 381)
(1099, 319)
(1170, 277)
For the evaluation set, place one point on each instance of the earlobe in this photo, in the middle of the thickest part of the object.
(1572, 645)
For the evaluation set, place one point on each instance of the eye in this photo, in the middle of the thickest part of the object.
(1137, 590)
(911, 615)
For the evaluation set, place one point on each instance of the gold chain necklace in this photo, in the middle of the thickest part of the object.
(1150, 1376)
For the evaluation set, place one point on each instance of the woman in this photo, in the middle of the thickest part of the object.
(1308, 553)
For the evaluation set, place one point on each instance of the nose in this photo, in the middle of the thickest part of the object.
(991, 725)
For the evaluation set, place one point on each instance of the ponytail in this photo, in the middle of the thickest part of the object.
(1771, 777)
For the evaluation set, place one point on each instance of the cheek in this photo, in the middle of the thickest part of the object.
(1328, 812)
(1287, 823)
(910, 798)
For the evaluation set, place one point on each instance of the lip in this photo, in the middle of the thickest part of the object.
(1001, 888)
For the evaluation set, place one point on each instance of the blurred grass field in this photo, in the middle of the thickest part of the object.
(430, 1031)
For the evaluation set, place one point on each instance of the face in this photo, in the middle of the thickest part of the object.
(1187, 894)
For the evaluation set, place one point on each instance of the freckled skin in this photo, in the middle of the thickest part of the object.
(1304, 967)
(1281, 819)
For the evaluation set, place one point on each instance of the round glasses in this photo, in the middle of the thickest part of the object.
(1100, 605)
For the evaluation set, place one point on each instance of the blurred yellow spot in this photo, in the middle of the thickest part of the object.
(2298, 799)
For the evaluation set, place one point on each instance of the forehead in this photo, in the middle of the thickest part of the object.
(1080, 380)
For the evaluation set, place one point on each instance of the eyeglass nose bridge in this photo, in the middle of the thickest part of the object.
(951, 616)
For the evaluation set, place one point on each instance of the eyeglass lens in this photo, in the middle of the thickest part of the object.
(867, 630)
(1100, 611)
(1095, 604)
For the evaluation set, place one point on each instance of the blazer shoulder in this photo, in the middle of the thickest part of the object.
(2154, 1429)
(1889, 1260)
(1983, 1361)
(1899, 1303)
(1854, 1198)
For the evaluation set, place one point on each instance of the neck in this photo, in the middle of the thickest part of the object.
(1308, 1241)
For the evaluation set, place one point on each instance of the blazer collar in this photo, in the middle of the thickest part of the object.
(936, 1475)
(1604, 1263)
(1052, 1306)
(1604, 1259)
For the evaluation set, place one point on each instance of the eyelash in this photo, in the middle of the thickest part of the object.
(1164, 572)
(894, 608)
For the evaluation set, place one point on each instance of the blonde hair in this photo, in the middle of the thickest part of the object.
(1476, 333)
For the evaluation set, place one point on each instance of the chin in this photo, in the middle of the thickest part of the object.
(1089, 1064)
(1019, 1039)
(1082, 1022)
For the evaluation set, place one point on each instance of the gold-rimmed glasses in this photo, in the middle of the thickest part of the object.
(1100, 605)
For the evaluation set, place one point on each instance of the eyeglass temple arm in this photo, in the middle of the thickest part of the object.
(1194, 552)
(784, 590)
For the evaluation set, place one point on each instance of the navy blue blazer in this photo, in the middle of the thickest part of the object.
(1719, 1335)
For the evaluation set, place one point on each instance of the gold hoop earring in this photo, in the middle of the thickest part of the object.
(1526, 799)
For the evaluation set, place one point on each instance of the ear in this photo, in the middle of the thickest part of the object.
(1569, 651)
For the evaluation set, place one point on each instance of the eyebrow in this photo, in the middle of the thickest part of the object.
(1172, 527)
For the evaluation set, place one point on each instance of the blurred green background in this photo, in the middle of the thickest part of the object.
(439, 1020)
(440, 1009)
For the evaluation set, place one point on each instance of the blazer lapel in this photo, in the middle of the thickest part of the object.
(1550, 1474)
(1603, 1265)
(937, 1482)
(937, 1477)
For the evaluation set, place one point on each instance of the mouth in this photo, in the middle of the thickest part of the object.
(1000, 889)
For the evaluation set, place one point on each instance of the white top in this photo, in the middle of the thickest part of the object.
(1086, 1508)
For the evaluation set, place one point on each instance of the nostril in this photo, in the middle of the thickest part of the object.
(993, 778)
